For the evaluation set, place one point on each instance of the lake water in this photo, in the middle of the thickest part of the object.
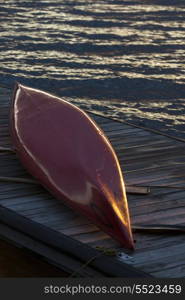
(124, 57)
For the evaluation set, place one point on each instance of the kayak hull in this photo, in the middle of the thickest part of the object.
(71, 157)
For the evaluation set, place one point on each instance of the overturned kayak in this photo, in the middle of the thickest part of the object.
(68, 153)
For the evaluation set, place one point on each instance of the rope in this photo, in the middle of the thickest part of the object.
(18, 180)
(167, 186)
(103, 251)
(32, 181)
(6, 149)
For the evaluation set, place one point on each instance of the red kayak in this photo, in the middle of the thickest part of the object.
(68, 153)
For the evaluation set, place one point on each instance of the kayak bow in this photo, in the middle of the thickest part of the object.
(69, 154)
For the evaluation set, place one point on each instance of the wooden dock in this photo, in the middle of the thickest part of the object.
(32, 218)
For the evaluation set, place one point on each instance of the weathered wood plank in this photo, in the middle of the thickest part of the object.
(176, 272)
(101, 263)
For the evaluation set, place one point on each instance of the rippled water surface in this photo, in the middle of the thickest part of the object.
(126, 57)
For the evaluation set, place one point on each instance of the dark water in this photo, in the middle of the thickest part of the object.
(16, 262)
(127, 57)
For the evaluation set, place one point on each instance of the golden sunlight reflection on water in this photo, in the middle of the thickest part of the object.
(132, 37)
(128, 52)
